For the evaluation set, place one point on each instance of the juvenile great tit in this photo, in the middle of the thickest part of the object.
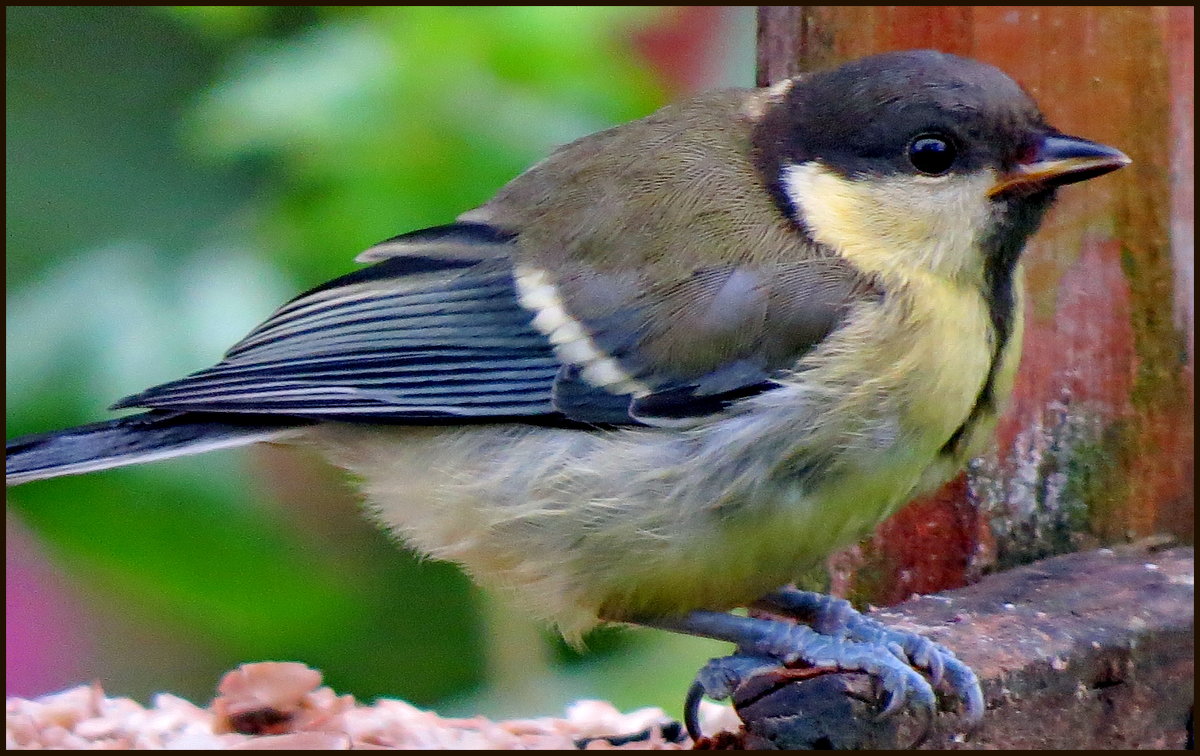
(674, 364)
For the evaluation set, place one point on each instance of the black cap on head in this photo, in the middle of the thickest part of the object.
(862, 118)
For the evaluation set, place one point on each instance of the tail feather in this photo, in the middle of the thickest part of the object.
(130, 440)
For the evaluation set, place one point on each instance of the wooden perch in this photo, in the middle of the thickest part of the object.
(1088, 650)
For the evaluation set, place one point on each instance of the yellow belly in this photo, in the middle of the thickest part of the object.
(931, 356)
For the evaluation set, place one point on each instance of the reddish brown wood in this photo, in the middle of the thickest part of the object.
(781, 43)
(1097, 445)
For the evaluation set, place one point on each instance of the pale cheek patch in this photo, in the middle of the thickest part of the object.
(571, 342)
(902, 222)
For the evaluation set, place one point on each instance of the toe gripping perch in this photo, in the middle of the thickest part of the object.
(833, 636)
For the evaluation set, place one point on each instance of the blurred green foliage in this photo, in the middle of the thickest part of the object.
(174, 173)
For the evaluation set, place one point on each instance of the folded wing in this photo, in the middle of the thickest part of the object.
(411, 337)
(437, 330)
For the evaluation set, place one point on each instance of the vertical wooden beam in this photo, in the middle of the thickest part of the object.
(1097, 445)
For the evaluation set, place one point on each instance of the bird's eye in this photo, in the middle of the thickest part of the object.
(931, 154)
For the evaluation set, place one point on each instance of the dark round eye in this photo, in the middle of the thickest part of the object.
(932, 154)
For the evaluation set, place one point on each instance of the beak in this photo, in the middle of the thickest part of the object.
(1059, 160)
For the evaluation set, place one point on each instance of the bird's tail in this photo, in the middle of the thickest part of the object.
(138, 438)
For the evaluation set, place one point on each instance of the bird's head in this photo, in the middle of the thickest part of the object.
(917, 159)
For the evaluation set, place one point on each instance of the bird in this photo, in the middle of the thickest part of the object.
(673, 365)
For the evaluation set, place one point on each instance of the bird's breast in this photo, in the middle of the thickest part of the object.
(941, 343)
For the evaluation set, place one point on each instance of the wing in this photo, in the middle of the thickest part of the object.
(440, 329)
(572, 296)
(411, 337)
(681, 280)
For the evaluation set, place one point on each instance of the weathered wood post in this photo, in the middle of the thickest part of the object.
(1097, 445)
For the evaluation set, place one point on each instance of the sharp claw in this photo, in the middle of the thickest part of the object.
(926, 728)
(719, 679)
(898, 699)
(973, 709)
(691, 711)
(967, 686)
(932, 660)
(962, 681)
(895, 703)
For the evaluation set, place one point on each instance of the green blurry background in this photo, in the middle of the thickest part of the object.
(173, 175)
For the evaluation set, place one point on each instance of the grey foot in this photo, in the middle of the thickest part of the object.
(837, 618)
(783, 645)
(810, 634)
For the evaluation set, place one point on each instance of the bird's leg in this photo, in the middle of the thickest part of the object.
(836, 617)
(832, 635)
